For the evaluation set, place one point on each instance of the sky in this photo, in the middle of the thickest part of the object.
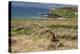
(40, 5)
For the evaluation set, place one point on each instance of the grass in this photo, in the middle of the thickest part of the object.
(30, 35)
(63, 12)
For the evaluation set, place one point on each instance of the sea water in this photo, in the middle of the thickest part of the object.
(28, 12)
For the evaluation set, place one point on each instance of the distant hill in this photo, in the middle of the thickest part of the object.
(66, 12)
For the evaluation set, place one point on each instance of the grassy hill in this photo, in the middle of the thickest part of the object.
(65, 12)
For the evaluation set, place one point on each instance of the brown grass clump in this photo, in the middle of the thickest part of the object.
(43, 35)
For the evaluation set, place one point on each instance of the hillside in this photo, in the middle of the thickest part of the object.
(65, 12)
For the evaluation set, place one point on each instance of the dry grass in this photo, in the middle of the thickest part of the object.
(30, 35)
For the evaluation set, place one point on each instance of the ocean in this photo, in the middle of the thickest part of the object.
(28, 12)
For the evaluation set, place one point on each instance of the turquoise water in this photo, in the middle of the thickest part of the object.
(28, 12)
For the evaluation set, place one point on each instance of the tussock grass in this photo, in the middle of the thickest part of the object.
(30, 35)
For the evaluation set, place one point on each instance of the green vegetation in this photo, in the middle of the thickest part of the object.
(65, 12)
